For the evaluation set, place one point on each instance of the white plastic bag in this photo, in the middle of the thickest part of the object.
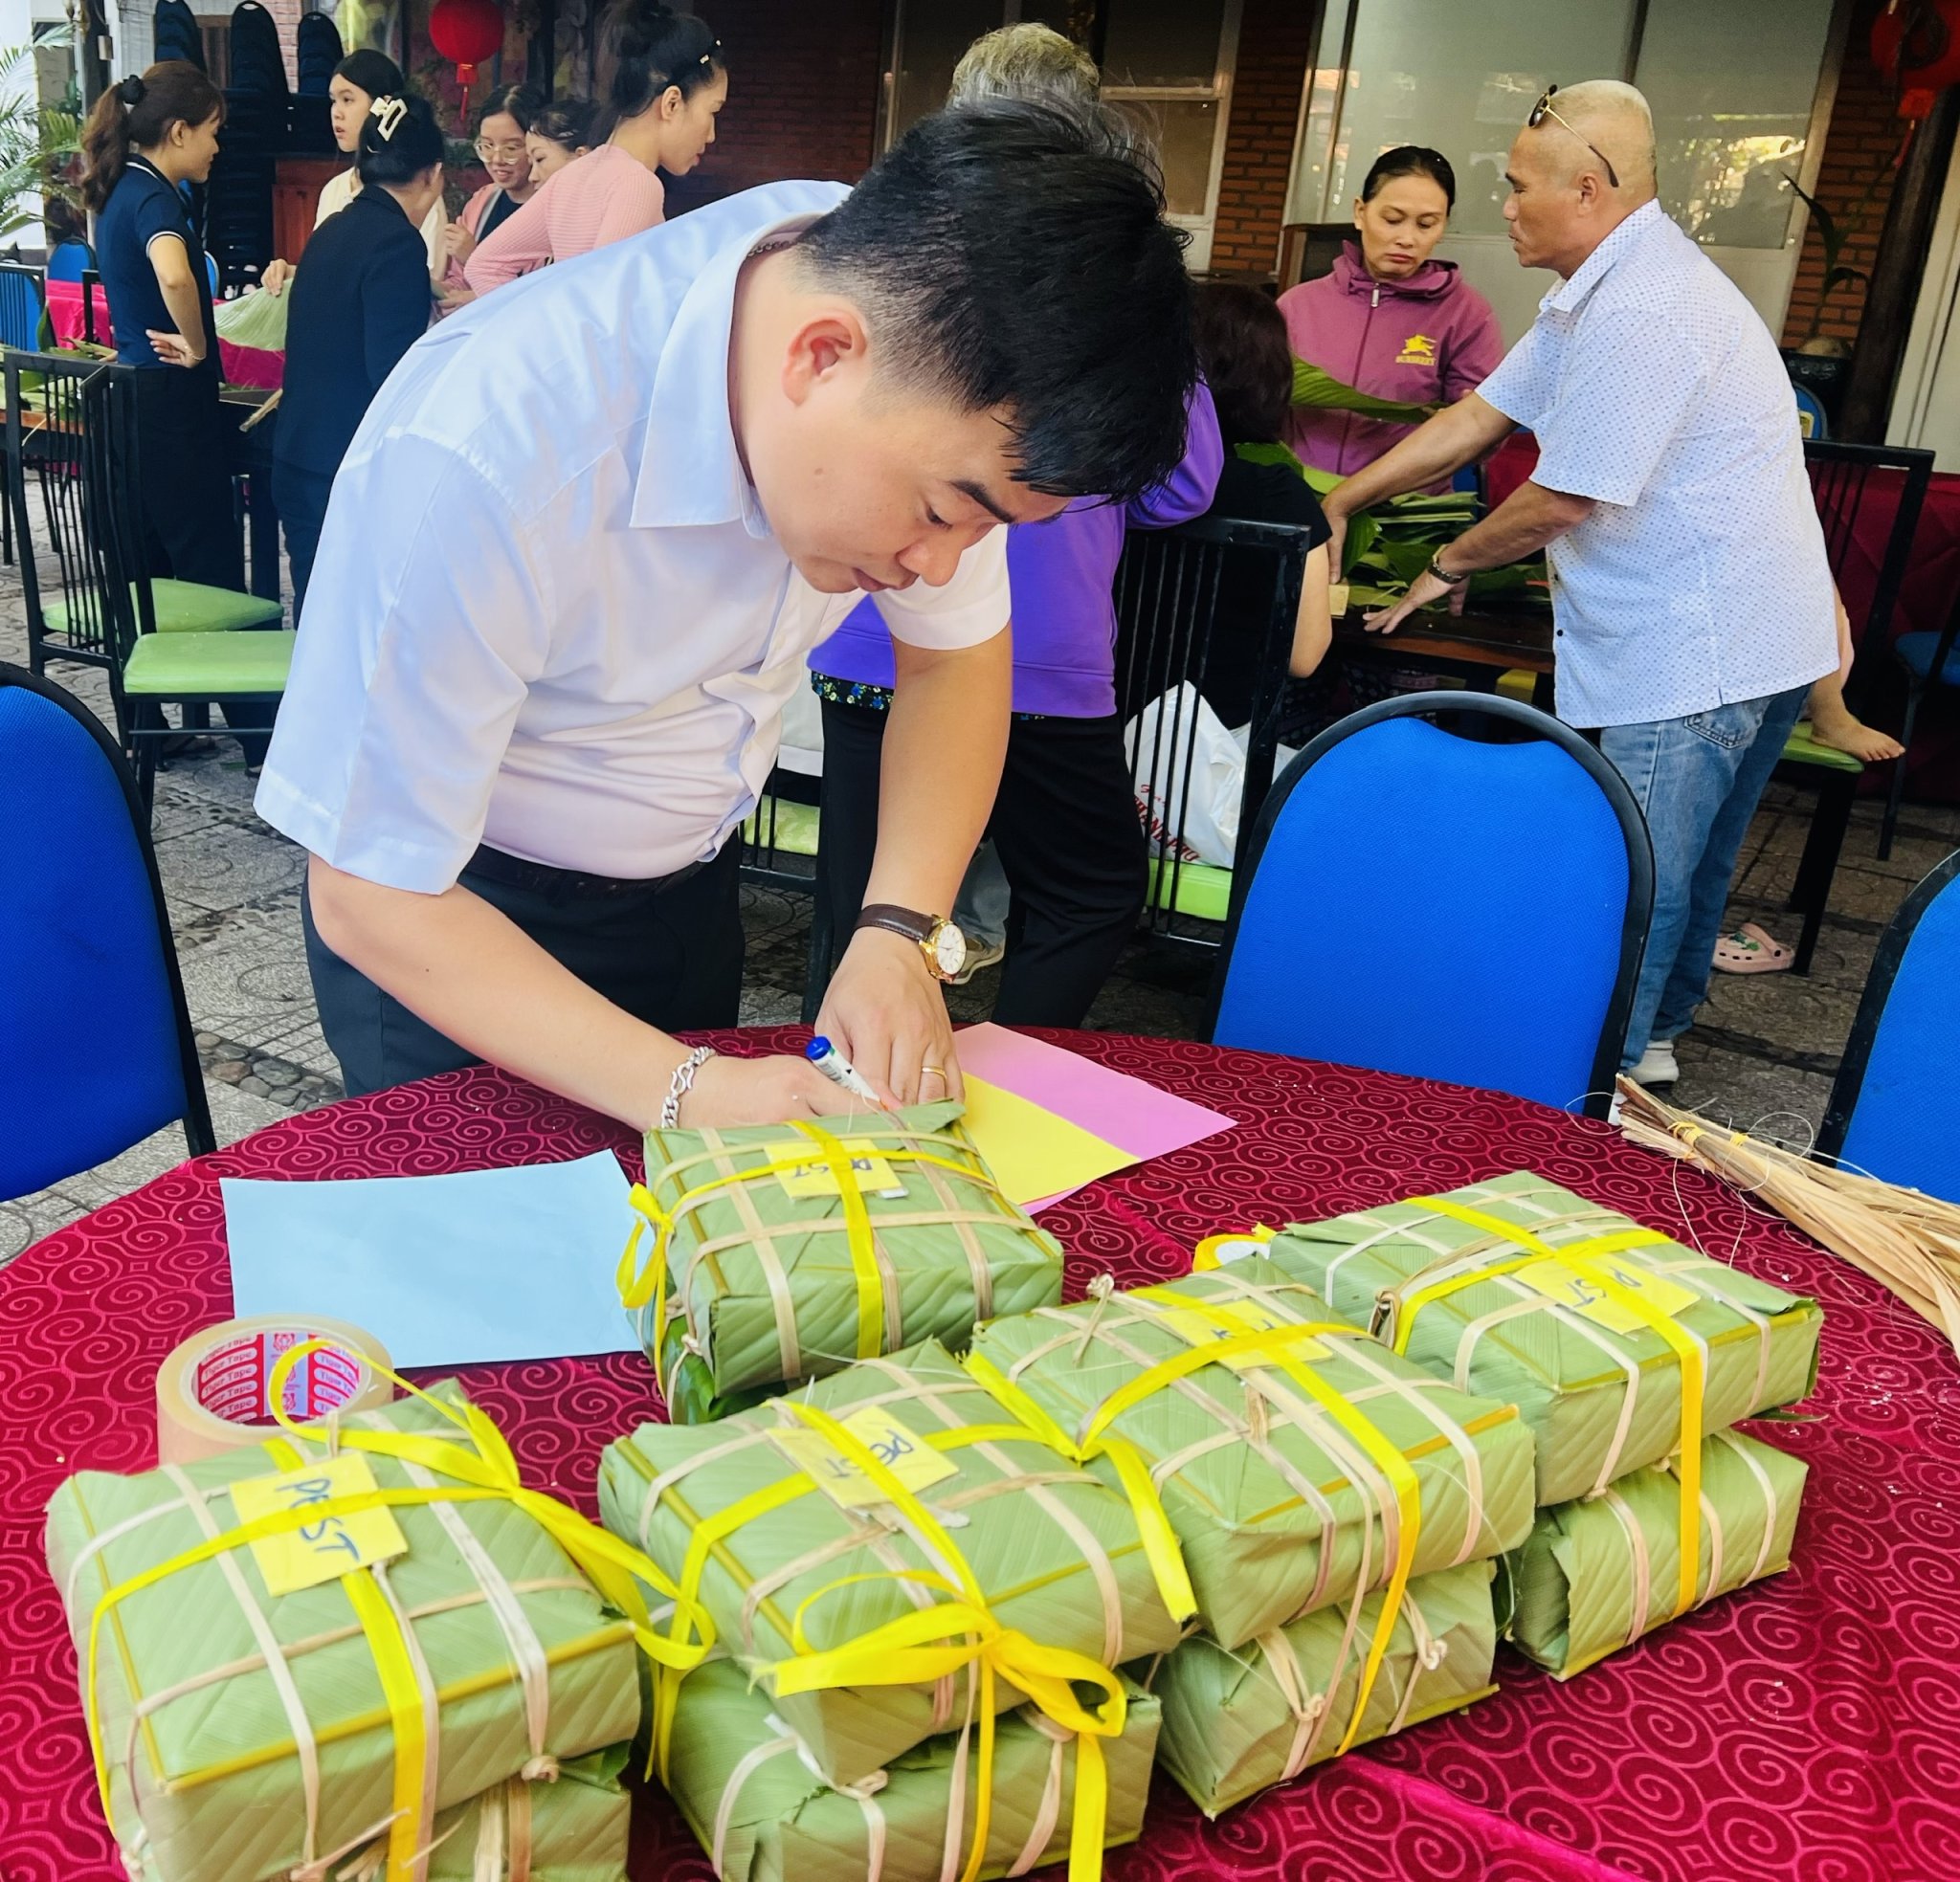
(1205, 829)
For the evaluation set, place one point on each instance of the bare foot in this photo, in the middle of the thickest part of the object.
(1843, 731)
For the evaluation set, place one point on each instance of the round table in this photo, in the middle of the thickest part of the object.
(1803, 1731)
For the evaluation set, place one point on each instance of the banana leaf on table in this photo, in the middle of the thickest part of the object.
(1474, 1288)
(749, 1793)
(1284, 1463)
(1237, 1721)
(1595, 1576)
(737, 1515)
(781, 1254)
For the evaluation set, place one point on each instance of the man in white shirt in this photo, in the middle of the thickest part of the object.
(582, 544)
(1691, 594)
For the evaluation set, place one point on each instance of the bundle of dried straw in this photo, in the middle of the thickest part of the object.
(1907, 1241)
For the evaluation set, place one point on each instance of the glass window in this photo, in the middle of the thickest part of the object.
(1186, 129)
(930, 39)
(1160, 44)
(1732, 86)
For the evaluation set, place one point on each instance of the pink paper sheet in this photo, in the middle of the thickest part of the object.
(1124, 1110)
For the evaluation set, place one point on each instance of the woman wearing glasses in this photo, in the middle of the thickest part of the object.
(503, 145)
(668, 82)
(1389, 319)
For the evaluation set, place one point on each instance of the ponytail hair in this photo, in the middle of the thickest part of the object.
(645, 47)
(399, 141)
(136, 115)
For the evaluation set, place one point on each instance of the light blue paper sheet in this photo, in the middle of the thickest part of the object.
(487, 1265)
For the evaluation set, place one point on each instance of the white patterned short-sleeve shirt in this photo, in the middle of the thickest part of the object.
(1700, 578)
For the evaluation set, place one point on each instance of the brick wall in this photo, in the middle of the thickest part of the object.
(1275, 46)
(1859, 149)
(803, 90)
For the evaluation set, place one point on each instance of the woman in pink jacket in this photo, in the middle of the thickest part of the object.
(1389, 320)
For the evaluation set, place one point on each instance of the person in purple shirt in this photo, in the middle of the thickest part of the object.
(1065, 824)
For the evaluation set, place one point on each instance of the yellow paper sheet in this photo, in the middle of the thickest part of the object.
(1033, 1153)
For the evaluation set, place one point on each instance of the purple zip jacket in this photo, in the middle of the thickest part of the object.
(1061, 575)
(1427, 340)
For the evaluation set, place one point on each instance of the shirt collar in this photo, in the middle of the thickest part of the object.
(690, 467)
(1568, 295)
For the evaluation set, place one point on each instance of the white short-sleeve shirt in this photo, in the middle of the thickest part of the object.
(547, 612)
(1700, 578)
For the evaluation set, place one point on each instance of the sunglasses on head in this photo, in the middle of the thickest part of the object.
(1543, 110)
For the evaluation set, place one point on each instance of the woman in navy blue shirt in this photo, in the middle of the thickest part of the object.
(144, 138)
(358, 305)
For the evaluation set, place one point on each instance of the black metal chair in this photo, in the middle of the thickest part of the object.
(1171, 632)
(781, 849)
(1844, 477)
(73, 421)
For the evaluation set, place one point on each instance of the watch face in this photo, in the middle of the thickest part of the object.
(949, 949)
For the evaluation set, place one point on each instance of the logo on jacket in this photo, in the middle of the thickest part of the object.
(1418, 349)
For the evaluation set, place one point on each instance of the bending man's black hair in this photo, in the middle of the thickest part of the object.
(1013, 258)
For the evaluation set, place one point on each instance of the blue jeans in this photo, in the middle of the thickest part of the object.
(1698, 780)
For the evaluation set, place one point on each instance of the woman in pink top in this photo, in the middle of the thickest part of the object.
(668, 82)
(504, 132)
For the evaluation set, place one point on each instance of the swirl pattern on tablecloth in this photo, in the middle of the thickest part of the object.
(1799, 1732)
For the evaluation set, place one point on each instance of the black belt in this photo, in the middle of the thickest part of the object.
(570, 884)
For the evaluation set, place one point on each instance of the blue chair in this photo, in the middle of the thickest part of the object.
(1447, 907)
(1896, 1104)
(70, 260)
(23, 301)
(94, 1033)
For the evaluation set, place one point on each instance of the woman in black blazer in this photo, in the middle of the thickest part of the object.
(360, 303)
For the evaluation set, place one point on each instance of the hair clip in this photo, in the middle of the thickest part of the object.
(389, 113)
(131, 90)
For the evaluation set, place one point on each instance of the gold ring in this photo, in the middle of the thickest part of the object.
(937, 1070)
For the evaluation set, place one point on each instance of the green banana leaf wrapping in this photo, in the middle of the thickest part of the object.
(762, 1814)
(1316, 387)
(572, 1829)
(1278, 1506)
(1057, 1554)
(1237, 1721)
(1602, 1402)
(765, 1287)
(206, 1784)
(1593, 1576)
(254, 319)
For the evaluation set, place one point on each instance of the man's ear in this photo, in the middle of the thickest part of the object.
(827, 345)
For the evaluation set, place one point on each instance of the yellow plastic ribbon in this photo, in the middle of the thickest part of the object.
(964, 1632)
(1268, 1346)
(485, 1473)
(638, 1285)
(1579, 1258)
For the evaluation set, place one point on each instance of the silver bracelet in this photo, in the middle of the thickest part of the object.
(682, 1083)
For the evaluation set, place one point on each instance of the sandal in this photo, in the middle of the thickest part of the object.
(1749, 950)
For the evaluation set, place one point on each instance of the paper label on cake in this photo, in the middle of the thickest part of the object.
(1554, 1281)
(814, 1176)
(901, 1450)
(1232, 1320)
(332, 1544)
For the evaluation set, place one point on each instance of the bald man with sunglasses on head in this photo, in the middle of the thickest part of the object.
(1692, 599)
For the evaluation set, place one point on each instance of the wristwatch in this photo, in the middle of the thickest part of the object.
(939, 941)
(1442, 574)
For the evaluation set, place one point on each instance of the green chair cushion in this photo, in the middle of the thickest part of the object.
(191, 608)
(200, 666)
(1804, 749)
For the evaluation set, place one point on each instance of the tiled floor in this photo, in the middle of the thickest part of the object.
(1763, 1056)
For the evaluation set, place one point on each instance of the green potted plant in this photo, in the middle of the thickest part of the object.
(1822, 363)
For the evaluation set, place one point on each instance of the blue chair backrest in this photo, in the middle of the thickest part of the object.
(1894, 1109)
(92, 1036)
(21, 301)
(70, 260)
(1444, 907)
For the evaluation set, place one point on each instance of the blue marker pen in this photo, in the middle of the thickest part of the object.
(839, 1070)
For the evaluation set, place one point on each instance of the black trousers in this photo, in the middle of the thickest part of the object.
(190, 513)
(1070, 842)
(668, 953)
(299, 496)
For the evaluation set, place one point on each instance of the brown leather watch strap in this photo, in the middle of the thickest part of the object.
(906, 922)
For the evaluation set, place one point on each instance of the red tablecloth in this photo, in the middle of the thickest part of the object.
(1800, 1732)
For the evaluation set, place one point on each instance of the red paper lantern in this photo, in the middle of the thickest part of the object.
(1917, 44)
(467, 31)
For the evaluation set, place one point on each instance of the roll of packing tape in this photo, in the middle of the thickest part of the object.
(211, 1390)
